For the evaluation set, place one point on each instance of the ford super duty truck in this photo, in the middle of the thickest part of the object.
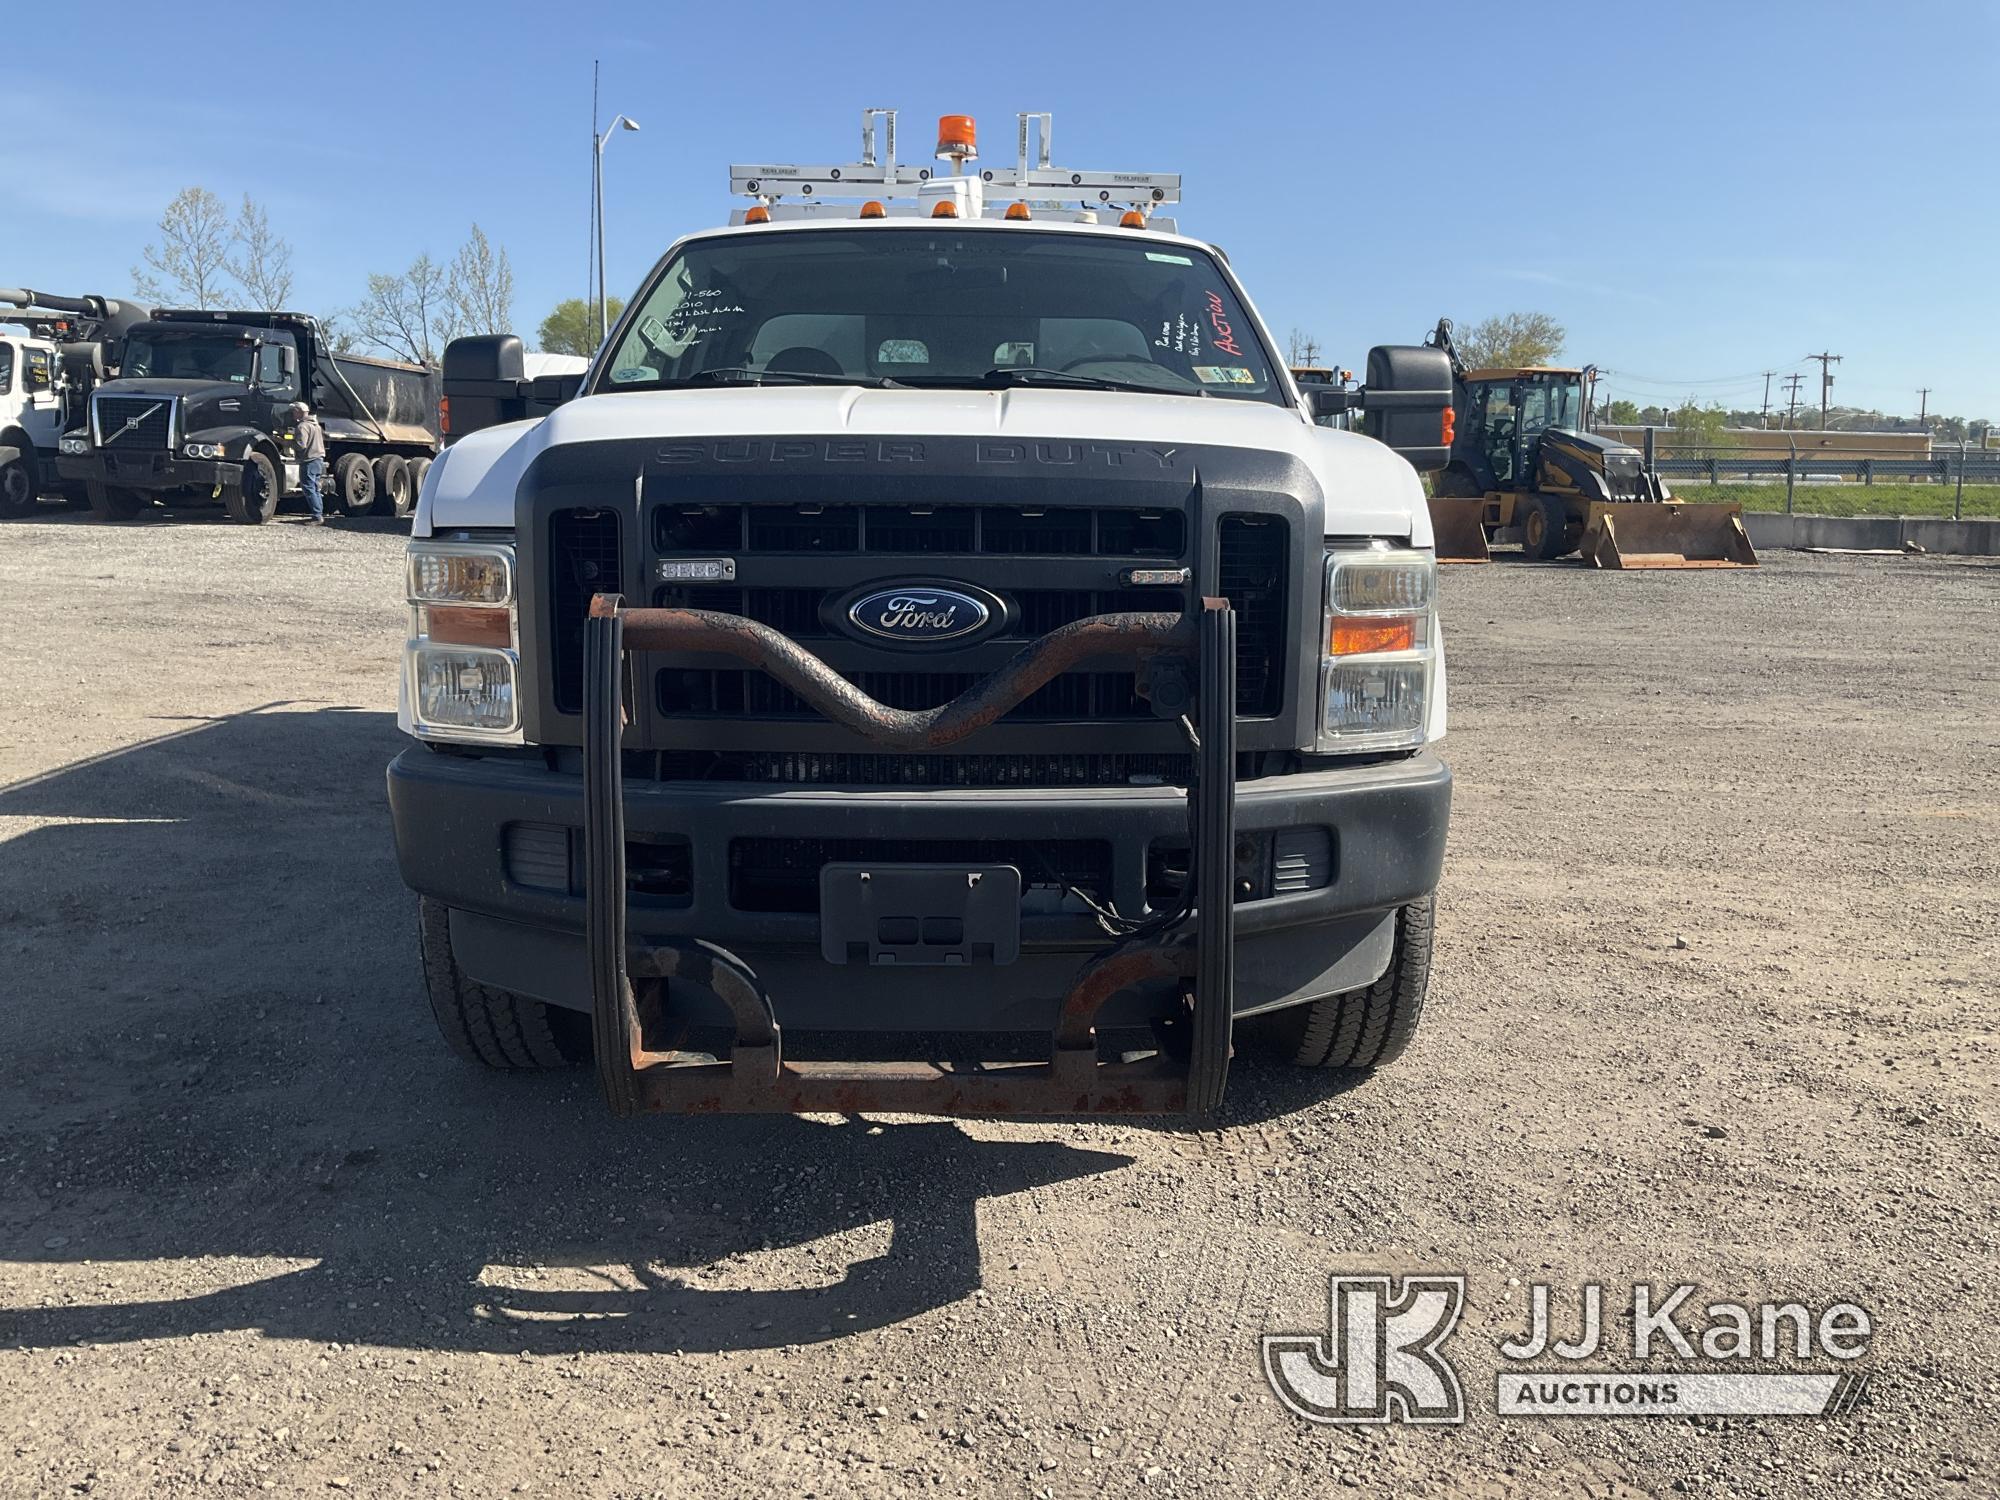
(932, 660)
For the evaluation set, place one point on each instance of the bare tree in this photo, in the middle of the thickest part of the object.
(1302, 350)
(190, 264)
(263, 264)
(481, 287)
(411, 315)
(1511, 341)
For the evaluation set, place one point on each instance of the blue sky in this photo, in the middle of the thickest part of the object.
(1698, 192)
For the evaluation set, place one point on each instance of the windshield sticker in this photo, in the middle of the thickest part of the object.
(626, 374)
(1225, 337)
(1224, 375)
(1180, 334)
(1169, 260)
(700, 314)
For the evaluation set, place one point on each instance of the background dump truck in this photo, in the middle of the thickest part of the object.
(1524, 463)
(201, 410)
(54, 351)
(938, 631)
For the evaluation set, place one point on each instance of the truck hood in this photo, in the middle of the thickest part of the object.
(148, 385)
(1369, 490)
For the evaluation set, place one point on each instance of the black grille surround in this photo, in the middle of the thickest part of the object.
(152, 418)
(1050, 528)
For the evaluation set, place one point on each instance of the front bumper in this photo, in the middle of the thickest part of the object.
(452, 812)
(149, 470)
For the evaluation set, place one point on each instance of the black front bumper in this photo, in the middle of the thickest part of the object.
(149, 470)
(1387, 823)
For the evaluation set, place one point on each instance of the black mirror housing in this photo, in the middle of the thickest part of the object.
(484, 383)
(1408, 393)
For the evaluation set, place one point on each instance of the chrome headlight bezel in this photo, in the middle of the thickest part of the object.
(455, 592)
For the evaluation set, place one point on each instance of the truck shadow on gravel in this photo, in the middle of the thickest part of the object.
(223, 1092)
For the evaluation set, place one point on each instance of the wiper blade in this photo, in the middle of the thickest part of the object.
(744, 375)
(1042, 375)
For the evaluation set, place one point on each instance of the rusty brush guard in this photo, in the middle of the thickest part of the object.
(756, 1077)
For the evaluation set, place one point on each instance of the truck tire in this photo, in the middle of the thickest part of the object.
(392, 486)
(1545, 528)
(18, 491)
(419, 467)
(354, 483)
(495, 1028)
(1367, 1028)
(257, 498)
(112, 502)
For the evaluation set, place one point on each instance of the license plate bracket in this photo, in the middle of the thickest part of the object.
(919, 915)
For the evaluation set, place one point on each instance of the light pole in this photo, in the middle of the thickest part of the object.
(603, 301)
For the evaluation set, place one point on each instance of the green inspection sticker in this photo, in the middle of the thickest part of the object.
(1169, 260)
(1224, 375)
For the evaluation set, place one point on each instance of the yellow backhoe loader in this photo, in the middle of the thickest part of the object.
(1524, 465)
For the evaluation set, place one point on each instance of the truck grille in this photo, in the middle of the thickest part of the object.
(152, 418)
(583, 560)
(805, 768)
(907, 530)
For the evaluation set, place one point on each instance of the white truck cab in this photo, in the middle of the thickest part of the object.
(956, 582)
(31, 418)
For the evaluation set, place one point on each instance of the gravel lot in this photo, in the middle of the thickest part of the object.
(1715, 1004)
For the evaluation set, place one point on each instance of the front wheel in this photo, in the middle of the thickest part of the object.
(495, 1028)
(1545, 531)
(17, 485)
(1367, 1028)
(257, 499)
(113, 502)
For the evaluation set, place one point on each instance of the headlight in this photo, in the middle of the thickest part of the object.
(75, 446)
(463, 661)
(203, 450)
(1379, 649)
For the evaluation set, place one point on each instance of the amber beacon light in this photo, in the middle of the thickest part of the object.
(958, 138)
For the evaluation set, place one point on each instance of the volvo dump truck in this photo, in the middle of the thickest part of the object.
(1525, 465)
(933, 661)
(202, 410)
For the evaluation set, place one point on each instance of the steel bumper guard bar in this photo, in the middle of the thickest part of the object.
(756, 1076)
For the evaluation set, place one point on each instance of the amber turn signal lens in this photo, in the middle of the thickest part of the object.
(1449, 428)
(758, 215)
(1132, 219)
(467, 625)
(1352, 637)
(873, 209)
(1018, 211)
(945, 209)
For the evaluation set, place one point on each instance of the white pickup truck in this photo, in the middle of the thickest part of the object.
(934, 661)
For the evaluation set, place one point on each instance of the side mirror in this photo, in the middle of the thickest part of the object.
(1406, 400)
(288, 363)
(481, 383)
(485, 383)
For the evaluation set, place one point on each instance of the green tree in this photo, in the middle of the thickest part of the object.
(1699, 427)
(1530, 338)
(571, 327)
(1624, 414)
(189, 267)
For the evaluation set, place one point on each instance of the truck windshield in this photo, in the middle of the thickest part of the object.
(979, 308)
(189, 357)
(1551, 402)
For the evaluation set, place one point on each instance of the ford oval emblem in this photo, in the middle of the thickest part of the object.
(921, 613)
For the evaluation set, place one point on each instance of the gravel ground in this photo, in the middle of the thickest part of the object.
(1714, 1004)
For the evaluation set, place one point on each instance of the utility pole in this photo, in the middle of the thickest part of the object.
(1923, 407)
(590, 275)
(1792, 384)
(1766, 418)
(1826, 364)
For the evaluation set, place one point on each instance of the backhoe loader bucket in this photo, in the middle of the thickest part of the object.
(1458, 530)
(1648, 534)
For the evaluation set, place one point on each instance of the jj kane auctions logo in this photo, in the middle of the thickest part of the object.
(1381, 1357)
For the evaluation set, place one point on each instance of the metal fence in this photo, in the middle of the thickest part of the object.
(1957, 479)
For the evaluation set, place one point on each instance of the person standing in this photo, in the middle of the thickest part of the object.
(309, 443)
